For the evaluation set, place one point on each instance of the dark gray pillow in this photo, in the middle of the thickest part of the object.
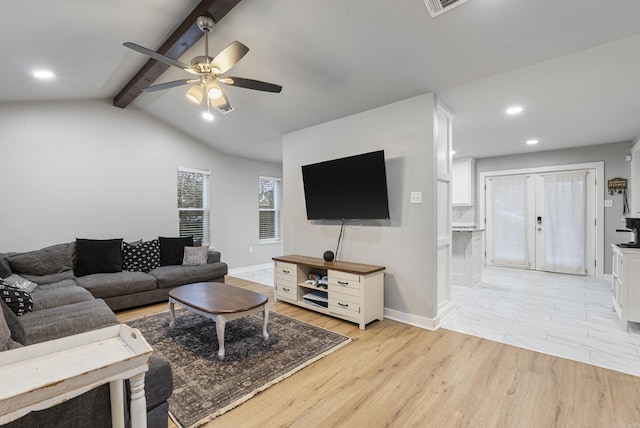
(53, 259)
(5, 269)
(98, 256)
(172, 250)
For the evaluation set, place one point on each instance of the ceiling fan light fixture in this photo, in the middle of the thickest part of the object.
(215, 93)
(207, 116)
(195, 94)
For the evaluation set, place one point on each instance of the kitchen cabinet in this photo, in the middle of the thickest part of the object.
(463, 182)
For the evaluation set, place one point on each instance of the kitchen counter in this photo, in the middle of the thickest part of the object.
(467, 256)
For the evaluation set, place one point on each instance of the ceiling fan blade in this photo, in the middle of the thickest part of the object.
(258, 85)
(168, 85)
(159, 57)
(229, 56)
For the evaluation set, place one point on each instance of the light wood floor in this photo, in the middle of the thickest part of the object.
(395, 375)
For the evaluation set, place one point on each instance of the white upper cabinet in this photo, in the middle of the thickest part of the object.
(462, 182)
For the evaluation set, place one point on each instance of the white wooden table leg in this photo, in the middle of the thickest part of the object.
(220, 324)
(116, 388)
(172, 313)
(265, 321)
(138, 402)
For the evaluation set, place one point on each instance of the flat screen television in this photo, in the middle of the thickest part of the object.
(354, 187)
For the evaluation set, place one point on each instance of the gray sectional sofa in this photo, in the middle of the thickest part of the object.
(64, 304)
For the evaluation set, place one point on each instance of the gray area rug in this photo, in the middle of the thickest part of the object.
(204, 386)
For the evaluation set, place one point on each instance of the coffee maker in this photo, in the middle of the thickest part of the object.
(633, 225)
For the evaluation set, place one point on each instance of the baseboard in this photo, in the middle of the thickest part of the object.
(250, 268)
(414, 320)
(445, 309)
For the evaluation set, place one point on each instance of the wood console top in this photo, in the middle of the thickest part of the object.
(318, 263)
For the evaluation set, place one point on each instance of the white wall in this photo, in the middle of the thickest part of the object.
(88, 169)
(405, 243)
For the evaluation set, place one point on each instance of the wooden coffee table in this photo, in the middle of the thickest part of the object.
(219, 302)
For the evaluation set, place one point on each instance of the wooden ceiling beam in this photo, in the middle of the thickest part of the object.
(180, 41)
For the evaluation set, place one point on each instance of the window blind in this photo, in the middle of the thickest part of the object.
(269, 195)
(193, 204)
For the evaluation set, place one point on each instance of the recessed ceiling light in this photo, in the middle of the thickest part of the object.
(514, 110)
(43, 74)
(532, 142)
(208, 116)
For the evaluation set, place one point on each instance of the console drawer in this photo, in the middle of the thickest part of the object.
(343, 306)
(344, 276)
(287, 291)
(340, 284)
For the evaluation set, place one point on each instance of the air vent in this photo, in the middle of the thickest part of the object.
(227, 109)
(438, 7)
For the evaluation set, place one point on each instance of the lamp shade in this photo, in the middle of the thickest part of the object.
(195, 94)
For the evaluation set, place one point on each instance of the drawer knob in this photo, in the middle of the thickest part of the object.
(343, 283)
(344, 305)
(286, 289)
(285, 271)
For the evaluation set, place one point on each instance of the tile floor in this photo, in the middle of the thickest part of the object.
(260, 275)
(567, 316)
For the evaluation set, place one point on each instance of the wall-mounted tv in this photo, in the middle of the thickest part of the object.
(354, 187)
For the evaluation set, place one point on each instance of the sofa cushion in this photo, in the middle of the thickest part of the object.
(116, 284)
(172, 250)
(6, 342)
(170, 276)
(60, 293)
(98, 256)
(51, 278)
(53, 259)
(18, 300)
(142, 257)
(62, 321)
(195, 256)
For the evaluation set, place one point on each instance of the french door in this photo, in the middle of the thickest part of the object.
(543, 221)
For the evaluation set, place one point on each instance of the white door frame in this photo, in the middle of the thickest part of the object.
(599, 168)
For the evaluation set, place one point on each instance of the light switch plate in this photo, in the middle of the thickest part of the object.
(416, 197)
(608, 203)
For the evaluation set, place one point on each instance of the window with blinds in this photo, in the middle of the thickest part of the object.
(193, 204)
(269, 195)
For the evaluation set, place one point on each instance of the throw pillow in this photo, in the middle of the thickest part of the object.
(5, 269)
(19, 301)
(142, 257)
(195, 256)
(21, 283)
(53, 259)
(172, 250)
(98, 256)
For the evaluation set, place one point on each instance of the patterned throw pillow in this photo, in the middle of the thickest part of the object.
(143, 257)
(19, 301)
(195, 256)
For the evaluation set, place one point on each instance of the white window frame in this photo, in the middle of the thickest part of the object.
(206, 203)
(277, 209)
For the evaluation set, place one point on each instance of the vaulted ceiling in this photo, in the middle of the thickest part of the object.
(573, 65)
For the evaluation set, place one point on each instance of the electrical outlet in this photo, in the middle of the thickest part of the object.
(250, 250)
(416, 197)
(608, 203)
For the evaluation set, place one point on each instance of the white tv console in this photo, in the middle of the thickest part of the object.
(355, 291)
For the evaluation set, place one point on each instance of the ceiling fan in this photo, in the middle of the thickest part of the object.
(208, 71)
